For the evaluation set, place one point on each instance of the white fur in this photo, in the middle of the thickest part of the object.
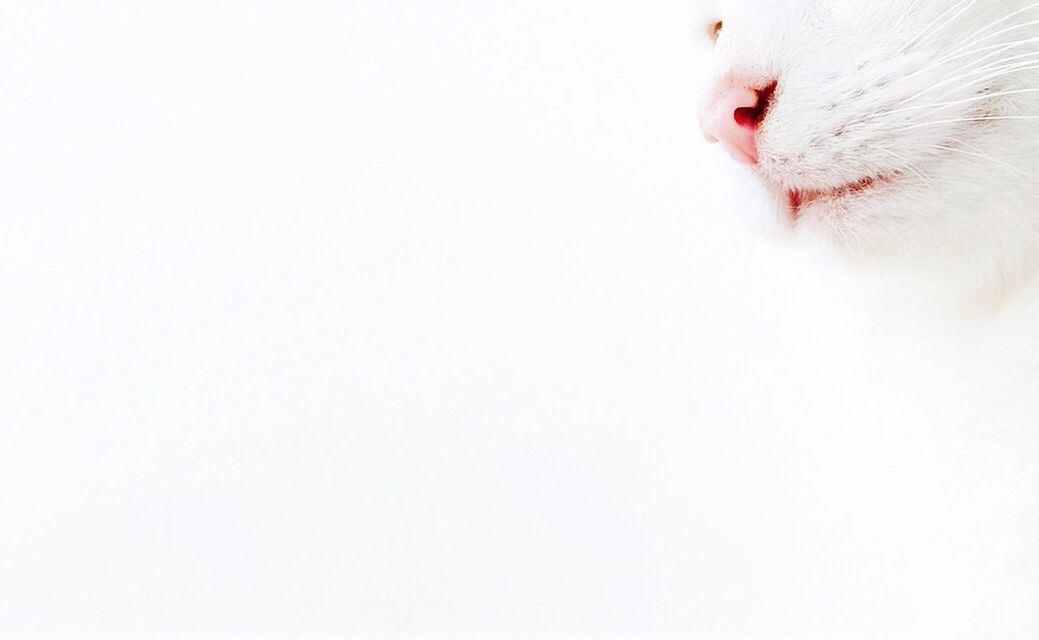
(909, 89)
(925, 495)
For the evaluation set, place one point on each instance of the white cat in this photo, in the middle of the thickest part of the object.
(904, 134)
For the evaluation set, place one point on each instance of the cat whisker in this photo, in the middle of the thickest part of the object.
(931, 30)
(978, 76)
(995, 49)
(976, 38)
(979, 154)
(973, 148)
(962, 120)
(908, 164)
(973, 69)
(999, 70)
(973, 38)
(939, 106)
(905, 13)
(959, 52)
(985, 76)
(998, 94)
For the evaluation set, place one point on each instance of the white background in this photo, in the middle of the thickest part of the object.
(378, 317)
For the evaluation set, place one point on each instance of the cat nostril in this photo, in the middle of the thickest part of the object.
(754, 116)
(733, 114)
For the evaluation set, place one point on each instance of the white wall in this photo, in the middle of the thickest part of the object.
(373, 317)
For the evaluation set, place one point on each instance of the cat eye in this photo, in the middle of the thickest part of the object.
(716, 30)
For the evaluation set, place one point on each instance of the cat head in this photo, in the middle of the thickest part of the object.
(904, 130)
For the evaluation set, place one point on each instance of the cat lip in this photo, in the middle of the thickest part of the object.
(799, 198)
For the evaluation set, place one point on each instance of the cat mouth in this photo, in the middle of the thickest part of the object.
(799, 199)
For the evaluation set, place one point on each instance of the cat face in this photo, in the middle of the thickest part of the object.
(889, 127)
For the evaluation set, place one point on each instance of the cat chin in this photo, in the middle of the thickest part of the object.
(926, 235)
(928, 244)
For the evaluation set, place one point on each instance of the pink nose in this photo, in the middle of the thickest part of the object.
(732, 114)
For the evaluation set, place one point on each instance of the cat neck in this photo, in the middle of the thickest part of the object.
(924, 299)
